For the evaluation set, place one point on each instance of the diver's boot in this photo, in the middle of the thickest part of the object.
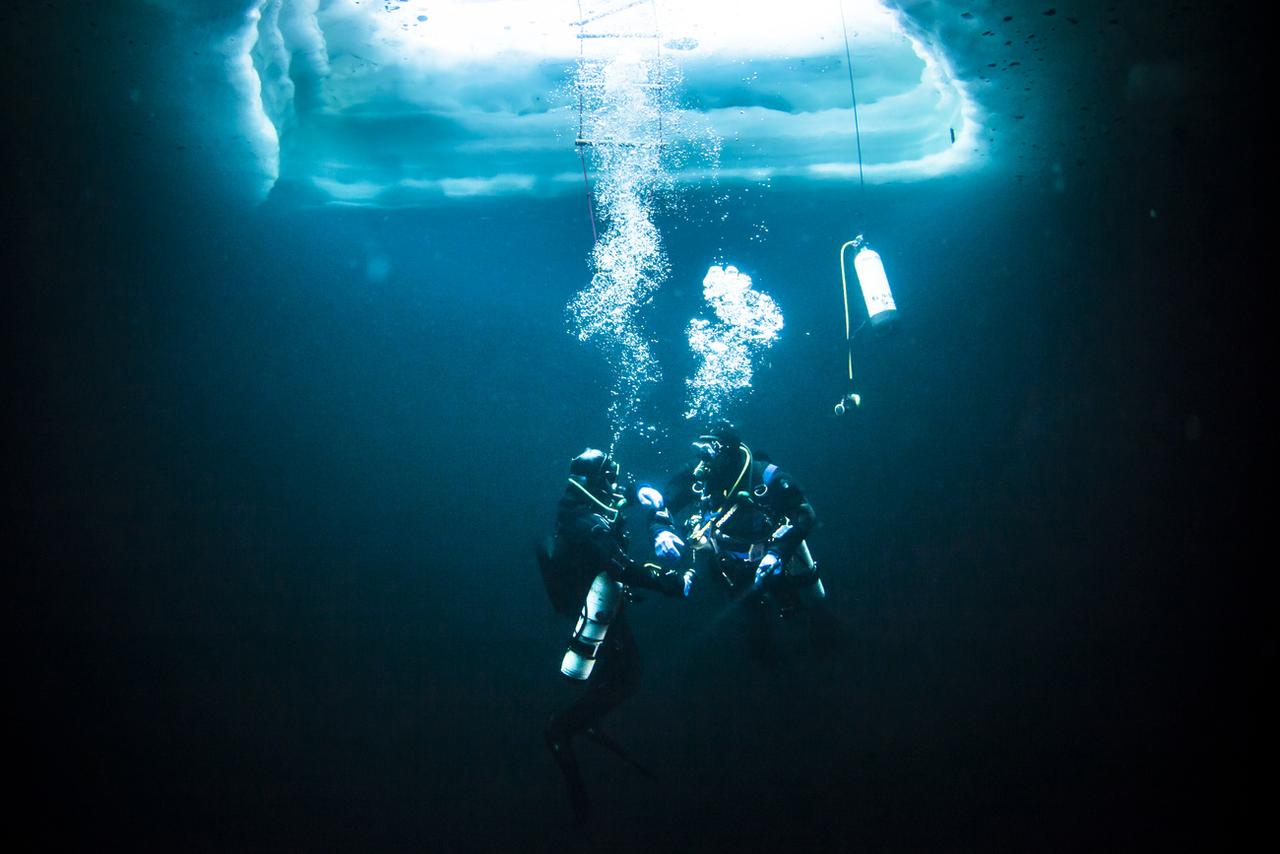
(560, 743)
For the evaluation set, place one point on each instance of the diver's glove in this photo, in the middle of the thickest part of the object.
(770, 569)
(667, 545)
(674, 583)
(649, 497)
(670, 582)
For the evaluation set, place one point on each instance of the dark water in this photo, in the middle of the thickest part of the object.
(269, 523)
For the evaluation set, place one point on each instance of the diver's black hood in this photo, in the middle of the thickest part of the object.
(575, 501)
(724, 432)
(725, 468)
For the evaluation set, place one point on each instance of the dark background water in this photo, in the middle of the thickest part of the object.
(269, 517)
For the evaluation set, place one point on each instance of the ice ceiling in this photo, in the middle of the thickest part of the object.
(394, 103)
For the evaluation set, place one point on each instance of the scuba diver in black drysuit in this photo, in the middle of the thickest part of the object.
(589, 575)
(749, 522)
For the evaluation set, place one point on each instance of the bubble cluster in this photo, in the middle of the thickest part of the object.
(623, 101)
(746, 323)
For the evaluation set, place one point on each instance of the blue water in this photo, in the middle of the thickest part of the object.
(278, 473)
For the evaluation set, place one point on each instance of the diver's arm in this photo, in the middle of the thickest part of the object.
(652, 577)
(789, 501)
(667, 544)
(622, 568)
(604, 549)
(677, 496)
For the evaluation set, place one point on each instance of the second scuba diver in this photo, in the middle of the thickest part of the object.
(748, 521)
(589, 575)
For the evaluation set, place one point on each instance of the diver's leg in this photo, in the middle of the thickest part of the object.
(619, 681)
(806, 584)
(753, 610)
(615, 677)
(621, 672)
(802, 577)
(560, 743)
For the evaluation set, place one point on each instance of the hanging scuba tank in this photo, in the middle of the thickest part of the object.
(603, 600)
(881, 309)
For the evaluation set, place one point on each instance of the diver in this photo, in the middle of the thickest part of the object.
(748, 521)
(589, 575)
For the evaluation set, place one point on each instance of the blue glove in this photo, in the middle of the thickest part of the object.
(674, 583)
(770, 568)
(649, 497)
(667, 546)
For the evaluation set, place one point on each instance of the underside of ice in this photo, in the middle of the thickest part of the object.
(394, 103)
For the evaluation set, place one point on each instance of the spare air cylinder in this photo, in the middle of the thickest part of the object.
(603, 600)
(881, 309)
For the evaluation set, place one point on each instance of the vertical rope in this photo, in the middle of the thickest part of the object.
(581, 59)
(848, 61)
(591, 213)
(657, 29)
(586, 183)
(658, 93)
(852, 396)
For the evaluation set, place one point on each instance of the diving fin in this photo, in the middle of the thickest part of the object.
(600, 738)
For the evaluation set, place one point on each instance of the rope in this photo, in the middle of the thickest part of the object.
(586, 183)
(852, 396)
(582, 20)
(844, 288)
(848, 61)
(591, 212)
(657, 28)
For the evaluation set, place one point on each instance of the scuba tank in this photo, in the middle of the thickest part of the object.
(603, 601)
(881, 309)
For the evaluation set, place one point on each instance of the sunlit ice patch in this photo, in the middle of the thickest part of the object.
(400, 103)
